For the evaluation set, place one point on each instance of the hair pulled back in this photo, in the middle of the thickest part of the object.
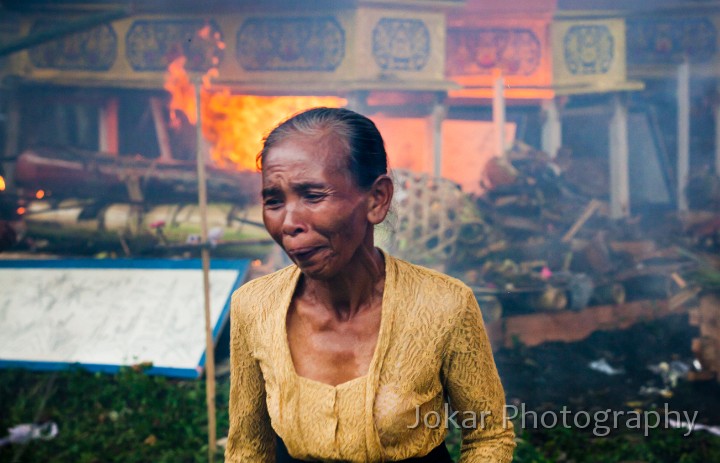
(364, 146)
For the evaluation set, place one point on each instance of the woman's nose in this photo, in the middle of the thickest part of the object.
(293, 223)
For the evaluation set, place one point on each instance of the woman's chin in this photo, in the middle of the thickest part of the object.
(316, 272)
(318, 266)
(317, 269)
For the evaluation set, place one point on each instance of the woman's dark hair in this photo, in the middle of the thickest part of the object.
(367, 159)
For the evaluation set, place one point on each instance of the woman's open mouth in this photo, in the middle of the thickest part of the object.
(303, 254)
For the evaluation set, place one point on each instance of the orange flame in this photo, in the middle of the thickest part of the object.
(235, 124)
(232, 124)
(182, 92)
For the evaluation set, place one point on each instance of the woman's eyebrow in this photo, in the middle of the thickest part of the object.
(305, 186)
(270, 191)
(300, 187)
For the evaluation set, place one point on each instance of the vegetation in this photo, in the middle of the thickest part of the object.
(127, 417)
(133, 417)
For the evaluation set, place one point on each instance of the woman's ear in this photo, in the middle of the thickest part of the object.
(381, 193)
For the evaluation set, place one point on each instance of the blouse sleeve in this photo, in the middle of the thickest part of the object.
(474, 390)
(250, 438)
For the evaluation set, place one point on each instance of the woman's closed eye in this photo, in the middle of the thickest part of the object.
(272, 203)
(314, 197)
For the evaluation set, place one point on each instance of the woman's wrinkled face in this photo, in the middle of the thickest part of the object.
(311, 206)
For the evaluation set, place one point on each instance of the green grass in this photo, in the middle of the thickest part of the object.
(131, 417)
(128, 417)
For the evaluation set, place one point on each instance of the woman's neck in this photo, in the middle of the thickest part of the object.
(355, 288)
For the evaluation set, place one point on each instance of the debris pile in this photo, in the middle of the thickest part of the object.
(538, 240)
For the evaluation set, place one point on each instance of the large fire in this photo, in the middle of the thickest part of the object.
(182, 93)
(233, 125)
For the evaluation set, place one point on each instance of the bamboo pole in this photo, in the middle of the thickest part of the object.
(205, 255)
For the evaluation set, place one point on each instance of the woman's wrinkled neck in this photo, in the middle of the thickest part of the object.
(356, 287)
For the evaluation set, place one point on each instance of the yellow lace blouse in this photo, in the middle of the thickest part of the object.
(432, 344)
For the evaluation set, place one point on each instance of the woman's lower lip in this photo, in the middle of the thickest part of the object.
(305, 255)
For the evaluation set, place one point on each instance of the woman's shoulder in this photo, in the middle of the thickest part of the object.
(434, 278)
(263, 291)
(419, 280)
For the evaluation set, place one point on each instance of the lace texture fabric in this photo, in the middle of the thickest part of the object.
(432, 346)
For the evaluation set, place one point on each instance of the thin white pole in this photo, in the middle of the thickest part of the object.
(499, 112)
(205, 256)
(552, 128)
(683, 137)
(619, 162)
(717, 138)
(437, 116)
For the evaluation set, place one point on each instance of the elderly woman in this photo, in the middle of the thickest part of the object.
(350, 354)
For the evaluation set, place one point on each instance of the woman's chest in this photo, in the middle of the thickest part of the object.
(332, 351)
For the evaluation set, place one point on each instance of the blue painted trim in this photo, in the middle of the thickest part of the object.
(174, 264)
(188, 373)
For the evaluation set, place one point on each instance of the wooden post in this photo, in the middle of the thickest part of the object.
(619, 175)
(205, 255)
(12, 136)
(109, 126)
(498, 111)
(161, 130)
(717, 136)
(357, 101)
(552, 128)
(437, 116)
(683, 127)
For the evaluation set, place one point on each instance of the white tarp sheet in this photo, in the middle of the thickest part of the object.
(107, 317)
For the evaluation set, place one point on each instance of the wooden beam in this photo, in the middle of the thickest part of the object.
(572, 326)
(590, 209)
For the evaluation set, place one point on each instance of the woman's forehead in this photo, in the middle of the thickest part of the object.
(312, 152)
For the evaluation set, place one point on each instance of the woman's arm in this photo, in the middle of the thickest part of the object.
(250, 438)
(474, 389)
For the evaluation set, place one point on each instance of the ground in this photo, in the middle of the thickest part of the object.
(131, 417)
(556, 375)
